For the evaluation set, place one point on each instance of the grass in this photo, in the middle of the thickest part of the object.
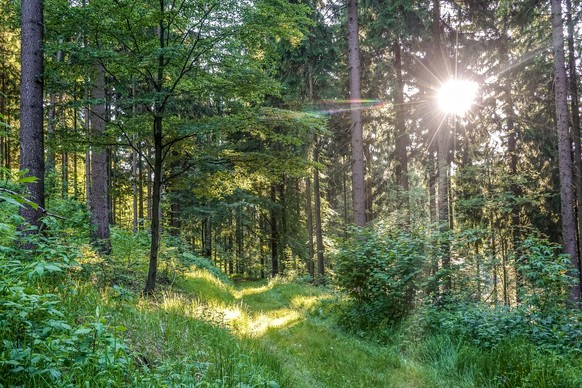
(278, 333)
(204, 331)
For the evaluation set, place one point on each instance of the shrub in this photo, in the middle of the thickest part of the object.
(378, 270)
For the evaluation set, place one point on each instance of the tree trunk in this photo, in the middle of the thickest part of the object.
(310, 264)
(317, 209)
(402, 139)
(140, 185)
(31, 106)
(99, 179)
(134, 199)
(564, 147)
(575, 108)
(207, 237)
(155, 213)
(274, 233)
(512, 151)
(51, 126)
(443, 202)
(65, 175)
(358, 173)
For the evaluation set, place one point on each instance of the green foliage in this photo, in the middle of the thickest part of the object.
(378, 269)
(188, 259)
(44, 342)
(558, 330)
(546, 271)
(77, 219)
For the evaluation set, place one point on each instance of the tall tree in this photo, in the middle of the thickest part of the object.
(443, 149)
(358, 166)
(317, 210)
(564, 146)
(99, 180)
(575, 111)
(31, 106)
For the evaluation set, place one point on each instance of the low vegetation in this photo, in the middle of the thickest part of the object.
(72, 317)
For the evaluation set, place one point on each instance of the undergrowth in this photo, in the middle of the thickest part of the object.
(71, 317)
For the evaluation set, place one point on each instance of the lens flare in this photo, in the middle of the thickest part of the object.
(329, 107)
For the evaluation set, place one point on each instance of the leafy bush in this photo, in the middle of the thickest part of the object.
(43, 342)
(546, 273)
(558, 330)
(378, 269)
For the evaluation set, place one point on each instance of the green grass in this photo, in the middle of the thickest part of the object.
(203, 331)
(279, 333)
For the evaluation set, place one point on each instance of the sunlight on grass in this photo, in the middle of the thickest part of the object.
(252, 290)
(257, 325)
(304, 302)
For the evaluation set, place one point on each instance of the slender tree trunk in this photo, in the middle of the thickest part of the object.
(310, 264)
(149, 183)
(75, 177)
(140, 185)
(512, 151)
(239, 238)
(506, 300)
(274, 233)
(135, 197)
(283, 225)
(75, 167)
(156, 197)
(317, 209)
(564, 147)
(99, 166)
(207, 239)
(51, 126)
(402, 139)
(443, 203)
(87, 160)
(575, 108)
(358, 173)
(65, 175)
(495, 269)
(31, 106)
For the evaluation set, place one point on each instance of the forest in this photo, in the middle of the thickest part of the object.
(290, 193)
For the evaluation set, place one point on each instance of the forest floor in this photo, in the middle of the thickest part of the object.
(289, 322)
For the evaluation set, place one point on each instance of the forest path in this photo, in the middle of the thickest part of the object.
(289, 320)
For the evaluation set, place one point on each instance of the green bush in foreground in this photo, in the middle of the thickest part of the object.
(378, 270)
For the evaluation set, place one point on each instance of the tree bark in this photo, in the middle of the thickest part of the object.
(317, 210)
(65, 175)
(31, 106)
(99, 166)
(358, 173)
(156, 199)
(564, 147)
(402, 138)
(274, 233)
(51, 126)
(443, 203)
(575, 108)
(443, 136)
(134, 199)
(310, 263)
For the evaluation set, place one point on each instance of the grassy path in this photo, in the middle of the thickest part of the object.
(314, 353)
(286, 321)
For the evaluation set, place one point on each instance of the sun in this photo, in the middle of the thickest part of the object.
(456, 96)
